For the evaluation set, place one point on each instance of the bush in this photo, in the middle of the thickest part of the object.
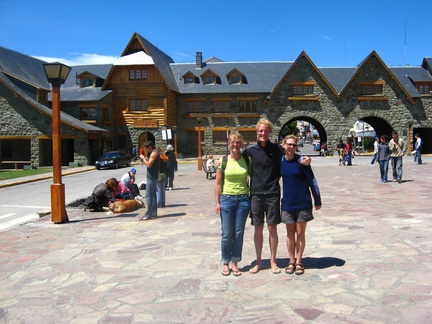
(368, 143)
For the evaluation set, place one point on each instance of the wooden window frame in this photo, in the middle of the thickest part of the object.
(424, 87)
(248, 105)
(304, 88)
(221, 106)
(138, 104)
(370, 89)
(137, 74)
(195, 106)
(86, 113)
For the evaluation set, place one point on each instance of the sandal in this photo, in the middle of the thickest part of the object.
(299, 269)
(276, 270)
(255, 269)
(226, 272)
(237, 273)
(290, 268)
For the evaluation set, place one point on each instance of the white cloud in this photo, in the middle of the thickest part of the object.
(81, 59)
(327, 38)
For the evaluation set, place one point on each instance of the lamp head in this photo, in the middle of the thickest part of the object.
(56, 73)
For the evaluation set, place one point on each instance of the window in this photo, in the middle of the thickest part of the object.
(221, 106)
(303, 89)
(371, 89)
(138, 104)
(190, 78)
(235, 77)
(249, 136)
(88, 113)
(137, 74)
(423, 87)
(220, 136)
(209, 77)
(195, 106)
(86, 82)
(248, 105)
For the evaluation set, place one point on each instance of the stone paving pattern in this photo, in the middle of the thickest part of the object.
(368, 260)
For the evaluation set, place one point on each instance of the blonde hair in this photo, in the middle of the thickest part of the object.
(265, 122)
(237, 135)
(290, 137)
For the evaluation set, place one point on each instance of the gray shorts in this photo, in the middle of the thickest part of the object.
(265, 206)
(296, 216)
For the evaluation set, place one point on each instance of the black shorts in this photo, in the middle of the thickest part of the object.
(296, 216)
(265, 206)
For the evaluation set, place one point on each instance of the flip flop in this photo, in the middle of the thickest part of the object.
(276, 270)
(255, 269)
(237, 273)
(226, 272)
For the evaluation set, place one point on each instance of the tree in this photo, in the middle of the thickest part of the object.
(289, 129)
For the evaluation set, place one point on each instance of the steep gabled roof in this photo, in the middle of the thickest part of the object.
(64, 117)
(407, 76)
(16, 66)
(82, 94)
(427, 63)
(338, 77)
(293, 66)
(262, 77)
(161, 60)
(23, 67)
(361, 67)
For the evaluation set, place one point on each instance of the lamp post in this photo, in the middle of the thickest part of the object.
(56, 74)
(174, 129)
(199, 119)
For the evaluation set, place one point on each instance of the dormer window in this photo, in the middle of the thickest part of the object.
(372, 88)
(303, 88)
(235, 77)
(209, 77)
(87, 79)
(138, 74)
(190, 78)
(87, 82)
(423, 87)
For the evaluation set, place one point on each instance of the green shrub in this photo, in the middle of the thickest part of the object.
(368, 143)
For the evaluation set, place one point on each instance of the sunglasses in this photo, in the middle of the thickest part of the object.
(290, 144)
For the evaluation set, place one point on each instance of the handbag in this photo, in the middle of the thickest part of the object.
(161, 177)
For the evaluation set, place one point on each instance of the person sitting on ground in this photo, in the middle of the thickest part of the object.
(103, 194)
(123, 192)
(129, 180)
(210, 164)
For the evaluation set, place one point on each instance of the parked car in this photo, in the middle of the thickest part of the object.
(113, 159)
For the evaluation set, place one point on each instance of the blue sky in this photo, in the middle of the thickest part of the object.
(332, 33)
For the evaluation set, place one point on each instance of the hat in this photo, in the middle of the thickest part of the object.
(132, 171)
(169, 147)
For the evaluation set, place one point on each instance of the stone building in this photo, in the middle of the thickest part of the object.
(146, 96)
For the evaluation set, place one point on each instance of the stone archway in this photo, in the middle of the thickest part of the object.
(319, 127)
(144, 137)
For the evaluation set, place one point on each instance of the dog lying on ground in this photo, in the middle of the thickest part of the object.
(126, 206)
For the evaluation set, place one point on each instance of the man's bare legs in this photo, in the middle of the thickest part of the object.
(273, 242)
(259, 241)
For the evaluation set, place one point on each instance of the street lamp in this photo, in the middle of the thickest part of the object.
(56, 74)
(199, 119)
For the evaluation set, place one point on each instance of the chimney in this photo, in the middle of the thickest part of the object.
(198, 62)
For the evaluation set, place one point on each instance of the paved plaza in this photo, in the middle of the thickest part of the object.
(368, 260)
